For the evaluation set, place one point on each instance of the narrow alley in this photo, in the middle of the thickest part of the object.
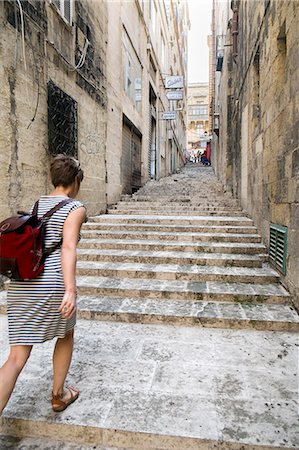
(185, 338)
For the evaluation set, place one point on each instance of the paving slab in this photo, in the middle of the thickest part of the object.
(184, 388)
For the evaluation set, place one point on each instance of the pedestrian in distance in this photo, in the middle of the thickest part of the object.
(44, 308)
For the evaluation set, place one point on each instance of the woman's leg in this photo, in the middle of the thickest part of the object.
(62, 357)
(10, 371)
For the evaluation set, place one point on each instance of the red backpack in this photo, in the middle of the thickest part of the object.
(22, 250)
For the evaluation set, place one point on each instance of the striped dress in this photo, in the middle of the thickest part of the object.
(32, 306)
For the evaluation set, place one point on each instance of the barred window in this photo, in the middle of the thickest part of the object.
(62, 122)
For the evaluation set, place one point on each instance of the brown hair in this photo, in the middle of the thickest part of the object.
(64, 171)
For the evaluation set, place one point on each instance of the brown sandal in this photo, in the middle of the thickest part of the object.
(59, 405)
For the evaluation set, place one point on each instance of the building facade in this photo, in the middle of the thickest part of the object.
(256, 118)
(88, 78)
(198, 114)
(53, 97)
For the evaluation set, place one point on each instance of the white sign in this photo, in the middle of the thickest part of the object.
(169, 115)
(138, 83)
(174, 82)
(174, 95)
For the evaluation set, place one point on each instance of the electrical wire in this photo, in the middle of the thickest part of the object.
(23, 47)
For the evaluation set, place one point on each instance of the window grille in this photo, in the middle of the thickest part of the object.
(65, 8)
(62, 122)
(278, 247)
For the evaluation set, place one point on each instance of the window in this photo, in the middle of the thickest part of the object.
(132, 72)
(65, 8)
(163, 51)
(62, 122)
(153, 15)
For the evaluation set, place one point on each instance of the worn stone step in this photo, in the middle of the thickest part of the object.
(174, 228)
(177, 272)
(178, 213)
(183, 290)
(152, 387)
(172, 207)
(273, 317)
(155, 245)
(212, 314)
(173, 220)
(164, 257)
(171, 236)
(42, 443)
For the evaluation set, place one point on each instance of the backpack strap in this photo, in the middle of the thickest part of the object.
(56, 208)
(54, 247)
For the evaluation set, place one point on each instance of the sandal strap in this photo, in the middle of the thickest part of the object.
(57, 399)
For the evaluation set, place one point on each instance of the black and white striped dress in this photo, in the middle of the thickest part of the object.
(32, 306)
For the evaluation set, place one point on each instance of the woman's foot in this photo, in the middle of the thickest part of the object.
(61, 401)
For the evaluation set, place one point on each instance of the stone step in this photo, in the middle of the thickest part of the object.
(184, 202)
(150, 387)
(171, 220)
(172, 207)
(210, 314)
(183, 290)
(137, 256)
(42, 443)
(174, 228)
(192, 313)
(174, 212)
(171, 236)
(155, 245)
(177, 272)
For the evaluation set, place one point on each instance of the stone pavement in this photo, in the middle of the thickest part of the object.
(185, 340)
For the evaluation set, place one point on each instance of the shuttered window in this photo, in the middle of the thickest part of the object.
(278, 247)
(65, 9)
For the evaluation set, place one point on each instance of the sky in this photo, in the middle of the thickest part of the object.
(200, 12)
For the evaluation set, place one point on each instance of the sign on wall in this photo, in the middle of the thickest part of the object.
(168, 115)
(174, 82)
(174, 95)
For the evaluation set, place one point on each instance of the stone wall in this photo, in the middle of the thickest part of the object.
(52, 48)
(263, 148)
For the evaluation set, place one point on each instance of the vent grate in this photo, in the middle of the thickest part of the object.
(278, 247)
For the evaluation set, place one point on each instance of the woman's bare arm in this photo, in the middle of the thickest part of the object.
(71, 230)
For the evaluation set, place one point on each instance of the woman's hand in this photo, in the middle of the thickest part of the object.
(68, 305)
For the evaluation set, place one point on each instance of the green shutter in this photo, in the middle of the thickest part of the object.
(278, 247)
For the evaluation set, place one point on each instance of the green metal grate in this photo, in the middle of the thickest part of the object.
(278, 247)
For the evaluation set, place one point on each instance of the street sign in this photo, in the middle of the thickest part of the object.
(174, 95)
(174, 82)
(168, 115)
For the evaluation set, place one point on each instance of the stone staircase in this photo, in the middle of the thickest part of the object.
(185, 340)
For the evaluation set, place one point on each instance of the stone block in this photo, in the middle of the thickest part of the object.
(281, 213)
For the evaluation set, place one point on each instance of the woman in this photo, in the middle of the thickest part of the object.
(45, 307)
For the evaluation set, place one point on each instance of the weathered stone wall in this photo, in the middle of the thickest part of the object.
(265, 115)
(50, 46)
